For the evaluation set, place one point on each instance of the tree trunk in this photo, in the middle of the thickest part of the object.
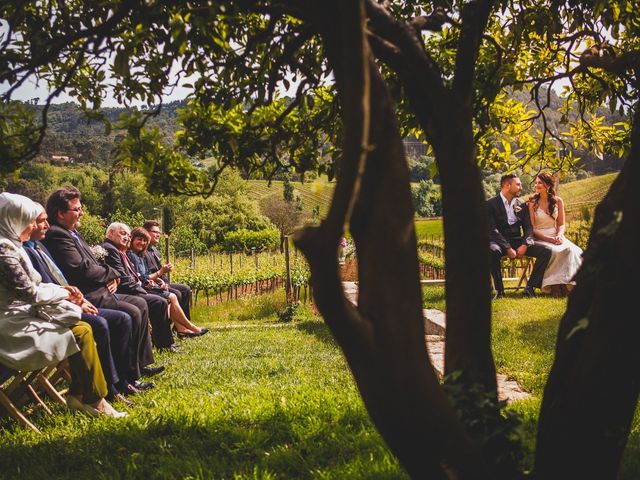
(592, 391)
(383, 338)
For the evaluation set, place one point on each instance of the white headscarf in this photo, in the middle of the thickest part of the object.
(16, 213)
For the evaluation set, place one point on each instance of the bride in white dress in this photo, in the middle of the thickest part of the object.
(547, 214)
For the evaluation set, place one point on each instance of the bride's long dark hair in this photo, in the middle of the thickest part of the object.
(550, 183)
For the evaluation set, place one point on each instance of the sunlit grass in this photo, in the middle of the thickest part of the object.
(238, 403)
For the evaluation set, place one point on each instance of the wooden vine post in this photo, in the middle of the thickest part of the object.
(287, 283)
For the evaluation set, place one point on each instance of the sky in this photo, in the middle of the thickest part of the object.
(31, 90)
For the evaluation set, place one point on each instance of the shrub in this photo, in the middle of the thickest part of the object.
(248, 240)
(183, 239)
(92, 228)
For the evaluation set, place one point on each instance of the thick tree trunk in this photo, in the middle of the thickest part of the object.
(383, 338)
(468, 299)
(592, 391)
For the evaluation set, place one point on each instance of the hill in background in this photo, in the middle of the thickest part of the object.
(578, 195)
(71, 134)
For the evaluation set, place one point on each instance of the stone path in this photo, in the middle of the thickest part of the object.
(434, 327)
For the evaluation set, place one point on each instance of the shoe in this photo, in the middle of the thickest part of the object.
(130, 390)
(73, 403)
(202, 332)
(142, 386)
(187, 334)
(173, 348)
(151, 371)
(105, 409)
(528, 292)
(119, 397)
(498, 294)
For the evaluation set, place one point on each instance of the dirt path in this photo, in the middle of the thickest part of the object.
(435, 326)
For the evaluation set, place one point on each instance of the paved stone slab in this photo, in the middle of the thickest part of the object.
(435, 327)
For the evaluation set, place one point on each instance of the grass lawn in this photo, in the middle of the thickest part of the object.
(253, 399)
(523, 337)
(260, 399)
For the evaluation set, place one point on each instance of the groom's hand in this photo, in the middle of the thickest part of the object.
(522, 250)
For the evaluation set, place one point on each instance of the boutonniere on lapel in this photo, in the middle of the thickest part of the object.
(99, 252)
(517, 207)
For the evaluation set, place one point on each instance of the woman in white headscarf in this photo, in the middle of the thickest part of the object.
(38, 326)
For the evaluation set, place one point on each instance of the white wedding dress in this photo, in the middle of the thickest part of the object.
(565, 258)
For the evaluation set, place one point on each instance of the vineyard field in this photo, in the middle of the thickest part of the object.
(314, 193)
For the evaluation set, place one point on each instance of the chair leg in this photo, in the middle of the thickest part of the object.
(15, 413)
(50, 389)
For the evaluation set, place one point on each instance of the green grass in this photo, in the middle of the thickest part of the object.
(428, 227)
(260, 399)
(253, 399)
(523, 340)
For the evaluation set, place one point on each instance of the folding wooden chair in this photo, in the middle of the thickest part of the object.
(517, 269)
(12, 387)
(18, 388)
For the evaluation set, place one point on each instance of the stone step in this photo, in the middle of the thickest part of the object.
(435, 329)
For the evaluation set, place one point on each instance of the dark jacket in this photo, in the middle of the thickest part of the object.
(153, 262)
(74, 257)
(38, 263)
(500, 231)
(129, 282)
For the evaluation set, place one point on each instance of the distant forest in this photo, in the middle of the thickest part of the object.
(70, 134)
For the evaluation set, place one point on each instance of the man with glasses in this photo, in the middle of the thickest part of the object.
(154, 264)
(97, 281)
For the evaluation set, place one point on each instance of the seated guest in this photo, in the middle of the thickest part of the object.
(39, 324)
(153, 263)
(153, 283)
(116, 244)
(97, 281)
(111, 328)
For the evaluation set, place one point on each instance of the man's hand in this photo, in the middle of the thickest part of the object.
(112, 286)
(88, 307)
(522, 250)
(511, 253)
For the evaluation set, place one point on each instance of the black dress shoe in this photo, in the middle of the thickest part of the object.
(528, 292)
(151, 371)
(187, 334)
(202, 332)
(142, 386)
(498, 294)
(173, 348)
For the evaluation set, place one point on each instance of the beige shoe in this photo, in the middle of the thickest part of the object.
(73, 403)
(105, 408)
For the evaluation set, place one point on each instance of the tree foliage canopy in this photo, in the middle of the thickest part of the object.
(366, 74)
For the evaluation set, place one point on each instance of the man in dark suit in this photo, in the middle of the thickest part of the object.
(511, 234)
(116, 244)
(111, 328)
(154, 264)
(97, 281)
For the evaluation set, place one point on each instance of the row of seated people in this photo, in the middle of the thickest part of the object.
(58, 301)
